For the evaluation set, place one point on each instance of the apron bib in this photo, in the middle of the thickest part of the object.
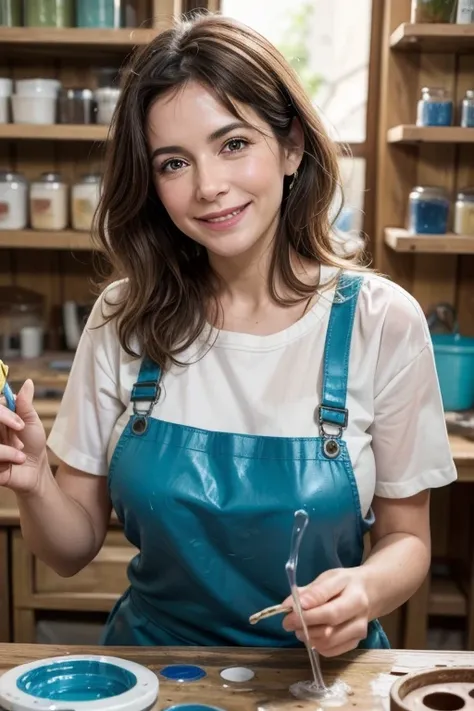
(212, 513)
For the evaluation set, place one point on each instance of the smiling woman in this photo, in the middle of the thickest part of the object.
(236, 370)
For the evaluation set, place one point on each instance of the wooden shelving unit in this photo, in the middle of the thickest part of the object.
(400, 240)
(53, 132)
(433, 268)
(75, 39)
(35, 239)
(436, 38)
(408, 133)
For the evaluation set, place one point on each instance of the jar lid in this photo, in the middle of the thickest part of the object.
(466, 194)
(469, 94)
(110, 92)
(433, 190)
(6, 176)
(76, 93)
(437, 91)
(49, 178)
(90, 178)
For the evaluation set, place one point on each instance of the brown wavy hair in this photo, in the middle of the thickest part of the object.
(170, 288)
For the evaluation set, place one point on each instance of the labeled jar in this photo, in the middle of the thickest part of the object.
(76, 106)
(13, 201)
(85, 196)
(99, 13)
(435, 107)
(433, 11)
(49, 13)
(467, 109)
(10, 13)
(49, 203)
(428, 210)
(464, 212)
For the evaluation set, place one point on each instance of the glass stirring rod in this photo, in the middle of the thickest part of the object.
(299, 526)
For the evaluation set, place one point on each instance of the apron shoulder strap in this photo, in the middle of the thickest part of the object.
(147, 386)
(332, 410)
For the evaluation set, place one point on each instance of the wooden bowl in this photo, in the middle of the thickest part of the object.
(437, 689)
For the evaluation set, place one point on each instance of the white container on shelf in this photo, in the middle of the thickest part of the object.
(106, 99)
(49, 203)
(5, 93)
(41, 87)
(85, 196)
(13, 201)
(34, 109)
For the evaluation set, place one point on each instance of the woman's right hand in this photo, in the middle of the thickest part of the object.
(22, 443)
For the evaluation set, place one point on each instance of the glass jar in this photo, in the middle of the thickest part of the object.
(49, 13)
(10, 13)
(19, 308)
(467, 109)
(85, 196)
(435, 108)
(106, 99)
(428, 210)
(99, 13)
(49, 203)
(465, 12)
(13, 201)
(464, 212)
(433, 10)
(76, 106)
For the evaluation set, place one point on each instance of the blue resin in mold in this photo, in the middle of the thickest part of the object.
(76, 680)
(183, 673)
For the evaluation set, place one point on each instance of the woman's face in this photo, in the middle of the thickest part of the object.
(220, 179)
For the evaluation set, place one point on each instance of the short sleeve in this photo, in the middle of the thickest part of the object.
(91, 403)
(410, 441)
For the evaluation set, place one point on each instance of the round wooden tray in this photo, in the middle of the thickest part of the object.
(438, 689)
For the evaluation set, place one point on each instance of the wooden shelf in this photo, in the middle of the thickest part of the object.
(402, 241)
(432, 37)
(74, 40)
(446, 598)
(54, 132)
(34, 239)
(407, 133)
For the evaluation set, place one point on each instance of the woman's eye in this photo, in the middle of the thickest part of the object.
(236, 144)
(171, 166)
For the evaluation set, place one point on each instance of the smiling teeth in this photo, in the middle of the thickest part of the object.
(225, 217)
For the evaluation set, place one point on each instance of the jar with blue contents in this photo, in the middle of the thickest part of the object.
(435, 108)
(99, 13)
(467, 109)
(428, 210)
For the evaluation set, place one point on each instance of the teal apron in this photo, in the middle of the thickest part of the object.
(212, 513)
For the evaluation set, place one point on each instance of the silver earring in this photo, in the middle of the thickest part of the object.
(295, 178)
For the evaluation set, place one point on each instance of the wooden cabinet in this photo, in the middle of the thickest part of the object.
(37, 587)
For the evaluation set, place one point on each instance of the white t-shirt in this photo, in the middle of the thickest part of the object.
(271, 385)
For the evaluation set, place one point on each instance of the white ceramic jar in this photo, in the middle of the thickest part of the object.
(5, 93)
(106, 99)
(49, 203)
(13, 201)
(85, 196)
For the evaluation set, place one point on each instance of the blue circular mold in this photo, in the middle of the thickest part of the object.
(76, 680)
(193, 707)
(184, 672)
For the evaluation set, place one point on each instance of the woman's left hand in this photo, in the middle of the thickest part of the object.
(335, 609)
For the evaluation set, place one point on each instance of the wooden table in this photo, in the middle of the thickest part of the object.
(369, 674)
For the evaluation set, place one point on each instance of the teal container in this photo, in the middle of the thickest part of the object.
(99, 13)
(454, 357)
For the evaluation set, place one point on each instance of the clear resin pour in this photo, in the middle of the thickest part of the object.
(336, 694)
